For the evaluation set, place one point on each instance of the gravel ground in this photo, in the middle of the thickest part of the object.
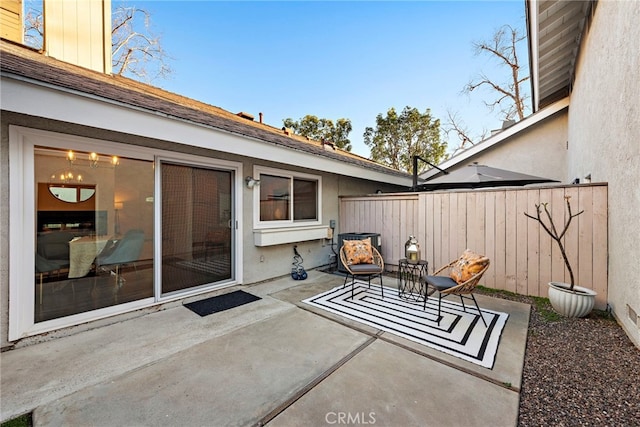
(577, 372)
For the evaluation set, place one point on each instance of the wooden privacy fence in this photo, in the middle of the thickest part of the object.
(492, 222)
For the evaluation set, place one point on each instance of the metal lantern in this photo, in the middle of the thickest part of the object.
(412, 250)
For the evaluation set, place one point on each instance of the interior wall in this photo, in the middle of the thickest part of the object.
(604, 142)
(48, 202)
(47, 165)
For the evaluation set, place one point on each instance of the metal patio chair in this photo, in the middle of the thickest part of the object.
(368, 269)
(463, 286)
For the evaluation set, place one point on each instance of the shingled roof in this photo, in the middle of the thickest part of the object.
(27, 63)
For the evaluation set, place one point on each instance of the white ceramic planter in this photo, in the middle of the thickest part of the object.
(576, 303)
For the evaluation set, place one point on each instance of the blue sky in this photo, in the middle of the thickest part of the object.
(333, 59)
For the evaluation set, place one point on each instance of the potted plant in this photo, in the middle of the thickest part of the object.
(567, 299)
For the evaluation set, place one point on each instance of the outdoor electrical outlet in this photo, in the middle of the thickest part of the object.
(261, 258)
(332, 223)
(329, 235)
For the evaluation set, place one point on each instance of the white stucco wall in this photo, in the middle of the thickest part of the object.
(267, 262)
(528, 151)
(259, 263)
(4, 237)
(604, 141)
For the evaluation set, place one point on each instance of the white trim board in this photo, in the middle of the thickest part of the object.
(36, 99)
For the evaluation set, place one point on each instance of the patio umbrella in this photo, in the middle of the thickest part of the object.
(480, 176)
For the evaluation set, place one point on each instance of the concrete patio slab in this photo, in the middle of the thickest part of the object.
(507, 369)
(42, 373)
(274, 361)
(385, 385)
(230, 380)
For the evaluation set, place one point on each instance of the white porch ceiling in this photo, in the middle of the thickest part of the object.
(555, 31)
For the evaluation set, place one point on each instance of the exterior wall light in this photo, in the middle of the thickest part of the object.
(251, 182)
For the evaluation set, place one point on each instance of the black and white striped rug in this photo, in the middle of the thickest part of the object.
(461, 334)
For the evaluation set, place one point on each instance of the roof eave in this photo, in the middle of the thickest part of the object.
(57, 81)
(555, 29)
(34, 96)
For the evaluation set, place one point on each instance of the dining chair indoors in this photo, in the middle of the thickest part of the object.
(464, 275)
(45, 266)
(361, 259)
(54, 246)
(120, 252)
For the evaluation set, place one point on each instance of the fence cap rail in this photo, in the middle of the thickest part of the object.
(411, 195)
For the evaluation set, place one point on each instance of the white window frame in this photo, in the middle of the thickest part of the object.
(22, 143)
(290, 223)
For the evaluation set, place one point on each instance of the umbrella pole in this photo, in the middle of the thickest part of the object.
(415, 170)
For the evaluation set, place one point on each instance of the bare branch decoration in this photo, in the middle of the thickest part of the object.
(549, 226)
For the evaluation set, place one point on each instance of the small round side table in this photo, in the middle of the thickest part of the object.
(411, 287)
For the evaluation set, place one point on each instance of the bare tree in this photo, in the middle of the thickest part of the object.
(33, 24)
(135, 51)
(510, 97)
(454, 124)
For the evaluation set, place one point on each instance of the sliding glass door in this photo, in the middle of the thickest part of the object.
(109, 228)
(197, 232)
(93, 231)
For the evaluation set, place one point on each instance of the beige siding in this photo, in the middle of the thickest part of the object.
(523, 257)
(79, 32)
(11, 20)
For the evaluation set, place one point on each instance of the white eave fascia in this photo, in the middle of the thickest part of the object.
(26, 96)
(498, 138)
(532, 8)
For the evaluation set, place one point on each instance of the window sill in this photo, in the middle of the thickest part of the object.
(279, 236)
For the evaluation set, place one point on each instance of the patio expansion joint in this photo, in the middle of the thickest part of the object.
(316, 381)
(451, 364)
(381, 335)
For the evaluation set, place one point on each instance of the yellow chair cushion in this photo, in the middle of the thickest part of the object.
(469, 264)
(358, 251)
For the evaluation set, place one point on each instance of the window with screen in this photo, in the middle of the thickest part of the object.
(286, 198)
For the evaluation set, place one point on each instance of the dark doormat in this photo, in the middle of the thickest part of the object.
(221, 302)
